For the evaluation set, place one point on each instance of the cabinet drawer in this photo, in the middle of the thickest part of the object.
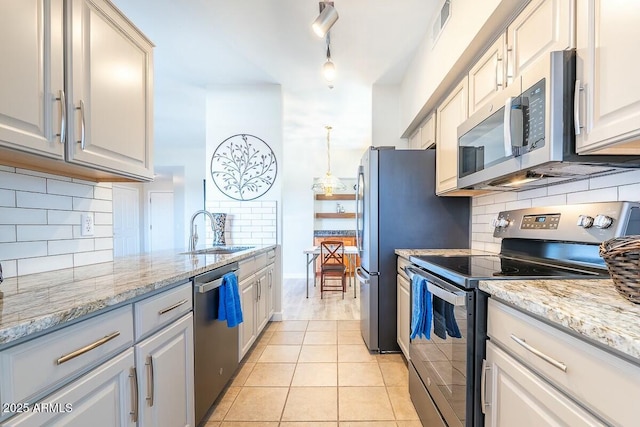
(153, 313)
(599, 380)
(260, 261)
(47, 362)
(271, 255)
(402, 263)
(246, 268)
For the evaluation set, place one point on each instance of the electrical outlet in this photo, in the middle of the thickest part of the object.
(86, 227)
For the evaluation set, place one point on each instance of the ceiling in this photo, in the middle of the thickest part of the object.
(210, 42)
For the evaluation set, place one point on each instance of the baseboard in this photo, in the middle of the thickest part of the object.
(277, 316)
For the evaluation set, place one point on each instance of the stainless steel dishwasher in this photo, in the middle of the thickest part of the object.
(215, 344)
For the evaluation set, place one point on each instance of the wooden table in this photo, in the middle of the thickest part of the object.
(313, 253)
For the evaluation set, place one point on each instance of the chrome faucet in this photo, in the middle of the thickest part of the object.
(193, 238)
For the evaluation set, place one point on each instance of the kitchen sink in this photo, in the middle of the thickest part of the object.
(214, 250)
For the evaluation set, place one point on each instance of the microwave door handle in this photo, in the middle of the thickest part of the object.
(508, 151)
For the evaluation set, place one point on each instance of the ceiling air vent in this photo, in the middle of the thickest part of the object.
(441, 18)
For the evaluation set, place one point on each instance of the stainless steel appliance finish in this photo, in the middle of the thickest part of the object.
(397, 208)
(556, 242)
(216, 346)
(524, 137)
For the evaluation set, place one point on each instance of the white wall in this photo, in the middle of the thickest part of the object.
(386, 116)
(619, 187)
(40, 222)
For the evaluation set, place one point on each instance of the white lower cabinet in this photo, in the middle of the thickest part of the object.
(270, 293)
(262, 303)
(516, 396)
(404, 315)
(102, 398)
(164, 363)
(248, 296)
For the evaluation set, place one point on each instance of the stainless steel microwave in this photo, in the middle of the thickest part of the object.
(524, 137)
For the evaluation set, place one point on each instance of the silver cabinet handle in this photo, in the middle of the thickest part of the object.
(483, 386)
(576, 107)
(510, 60)
(172, 307)
(270, 279)
(499, 73)
(150, 381)
(134, 394)
(82, 125)
(63, 116)
(87, 348)
(540, 354)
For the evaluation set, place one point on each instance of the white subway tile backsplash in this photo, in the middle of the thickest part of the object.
(7, 198)
(64, 217)
(92, 205)
(601, 195)
(518, 204)
(42, 201)
(487, 199)
(101, 218)
(15, 181)
(7, 168)
(104, 243)
(7, 233)
(9, 268)
(28, 233)
(19, 250)
(22, 216)
(42, 174)
(629, 193)
(614, 180)
(532, 194)
(86, 258)
(42, 264)
(55, 186)
(103, 193)
(58, 247)
(558, 199)
(507, 196)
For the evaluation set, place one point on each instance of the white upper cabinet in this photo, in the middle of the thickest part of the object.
(487, 76)
(543, 26)
(608, 106)
(425, 136)
(31, 76)
(109, 80)
(450, 114)
(414, 140)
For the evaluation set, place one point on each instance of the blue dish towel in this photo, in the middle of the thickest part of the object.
(229, 301)
(422, 309)
(444, 321)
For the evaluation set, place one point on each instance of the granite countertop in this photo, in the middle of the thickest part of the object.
(329, 233)
(35, 302)
(592, 309)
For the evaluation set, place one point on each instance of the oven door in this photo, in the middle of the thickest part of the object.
(446, 365)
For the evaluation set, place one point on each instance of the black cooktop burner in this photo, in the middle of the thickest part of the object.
(479, 267)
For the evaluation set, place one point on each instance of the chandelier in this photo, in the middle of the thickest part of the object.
(328, 184)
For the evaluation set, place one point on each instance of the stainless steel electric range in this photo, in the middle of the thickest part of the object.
(558, 242)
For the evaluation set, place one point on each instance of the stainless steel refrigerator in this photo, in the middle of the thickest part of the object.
(397, 208)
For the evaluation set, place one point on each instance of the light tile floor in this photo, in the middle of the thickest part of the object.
(316, 372)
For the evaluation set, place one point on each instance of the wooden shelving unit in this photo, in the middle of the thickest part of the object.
(335, 215)
(336, 197)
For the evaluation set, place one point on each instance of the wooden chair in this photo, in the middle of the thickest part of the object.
(332, 266)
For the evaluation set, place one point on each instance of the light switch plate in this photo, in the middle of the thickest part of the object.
(86, 227)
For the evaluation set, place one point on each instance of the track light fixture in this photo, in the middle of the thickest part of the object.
(328, 16)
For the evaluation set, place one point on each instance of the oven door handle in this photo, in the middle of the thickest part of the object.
(448, 293)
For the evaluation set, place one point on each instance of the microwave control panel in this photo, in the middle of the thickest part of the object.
(537, 222)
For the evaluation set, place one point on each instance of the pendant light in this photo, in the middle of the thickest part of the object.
(328, 184)
(329, 68)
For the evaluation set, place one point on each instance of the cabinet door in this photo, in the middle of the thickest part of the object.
(109, 81)
(414, 140)
(31, 76)
(428, 132)
(451, 113)
(487, 76)
(165, 376)
(104, 397)
(543, 26)
(262, 282)
(404, 315)
(607, 36)
(270, 290)
(516, 395)
(248, 300)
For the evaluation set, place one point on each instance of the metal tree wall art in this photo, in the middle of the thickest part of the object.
(243, 167)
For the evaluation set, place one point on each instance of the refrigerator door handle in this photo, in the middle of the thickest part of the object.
(358, 213)
(364, 279)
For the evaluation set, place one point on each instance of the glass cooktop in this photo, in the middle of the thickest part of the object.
(482, 267)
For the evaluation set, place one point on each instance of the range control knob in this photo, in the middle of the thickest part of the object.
(585, 221)
(603, 221)
(500, 222)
